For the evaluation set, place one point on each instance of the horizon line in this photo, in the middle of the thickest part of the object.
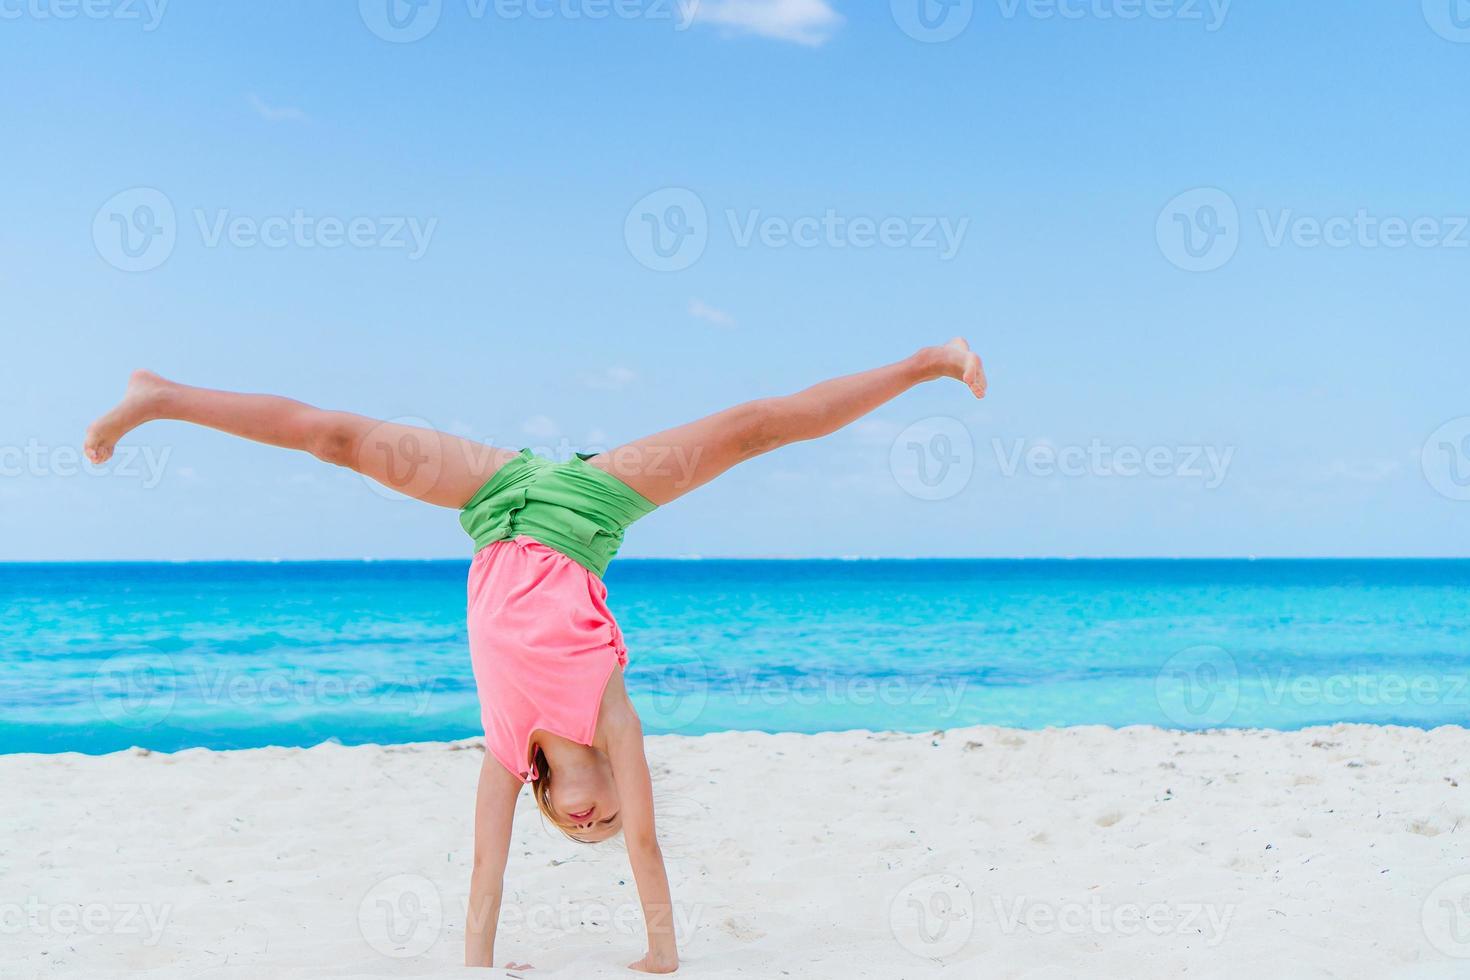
(734, 558)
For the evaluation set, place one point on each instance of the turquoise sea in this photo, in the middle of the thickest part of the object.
(100, 657)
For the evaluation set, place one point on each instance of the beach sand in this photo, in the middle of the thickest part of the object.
(981, 852)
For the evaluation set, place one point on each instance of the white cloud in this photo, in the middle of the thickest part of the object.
(809, 22)
(706, 312)
(613, 378)
(540, 427)
(272, 113)
(1357, 470)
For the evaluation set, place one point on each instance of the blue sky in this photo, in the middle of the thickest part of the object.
(1288, 381)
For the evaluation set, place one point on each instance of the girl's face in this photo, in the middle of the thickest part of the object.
(584, 799)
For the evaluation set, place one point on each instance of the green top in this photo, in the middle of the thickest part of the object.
(570, 507)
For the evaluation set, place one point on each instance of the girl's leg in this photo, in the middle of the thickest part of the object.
(423, 463)
(666, 466)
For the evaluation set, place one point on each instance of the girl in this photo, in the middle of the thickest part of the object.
(546, 651)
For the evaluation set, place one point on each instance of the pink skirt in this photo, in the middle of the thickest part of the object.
(543, 645)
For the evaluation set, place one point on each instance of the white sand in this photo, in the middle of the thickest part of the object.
(979, 853)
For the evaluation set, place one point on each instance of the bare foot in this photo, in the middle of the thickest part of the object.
(655, 964)
(139, 404)
(956, 360)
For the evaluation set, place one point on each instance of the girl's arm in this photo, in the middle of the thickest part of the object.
(495, 806)
(635, 792)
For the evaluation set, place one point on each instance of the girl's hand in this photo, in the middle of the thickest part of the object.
(655, 964)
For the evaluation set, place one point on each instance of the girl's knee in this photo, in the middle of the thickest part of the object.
(764, 424)
(334, 440)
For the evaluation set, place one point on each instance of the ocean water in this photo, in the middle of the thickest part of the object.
(99, 657)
